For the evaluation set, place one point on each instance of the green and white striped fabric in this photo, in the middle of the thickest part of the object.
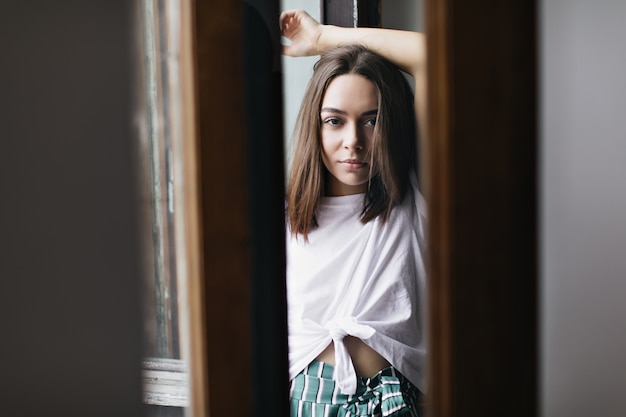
(314, 393)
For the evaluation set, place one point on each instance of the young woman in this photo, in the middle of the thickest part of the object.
(355, 221)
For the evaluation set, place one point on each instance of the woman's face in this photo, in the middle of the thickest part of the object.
(348, 117)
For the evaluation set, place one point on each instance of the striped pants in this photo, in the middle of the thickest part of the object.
(313, 393)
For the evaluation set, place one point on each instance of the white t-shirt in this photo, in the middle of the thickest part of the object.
(364, 280)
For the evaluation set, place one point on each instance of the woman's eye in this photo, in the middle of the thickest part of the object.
(370, 122)
(332, 121)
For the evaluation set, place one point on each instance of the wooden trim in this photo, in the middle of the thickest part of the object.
(481, 188)
(240, 171)
(165, 382)
(224, 205)
(436, 170)
(190, 267)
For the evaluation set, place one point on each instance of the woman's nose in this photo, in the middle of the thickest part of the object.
(352, 138)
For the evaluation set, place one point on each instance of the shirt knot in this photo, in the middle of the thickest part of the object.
(338, 329)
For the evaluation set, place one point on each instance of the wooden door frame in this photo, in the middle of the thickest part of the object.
(481, 186)
(223, 185)
(241, 202)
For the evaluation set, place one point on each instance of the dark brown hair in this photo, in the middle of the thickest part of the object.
(393, 148)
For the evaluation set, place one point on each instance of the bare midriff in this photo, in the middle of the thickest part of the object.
(367, 362)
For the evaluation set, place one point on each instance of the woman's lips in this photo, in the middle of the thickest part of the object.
(353, 164)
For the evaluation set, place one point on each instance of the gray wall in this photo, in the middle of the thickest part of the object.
(402, 14)
(69, 299)
(583, 207)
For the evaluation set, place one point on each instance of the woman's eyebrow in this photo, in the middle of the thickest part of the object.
(334, 110)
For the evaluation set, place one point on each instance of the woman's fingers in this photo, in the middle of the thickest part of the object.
(288, 22)
(301, 29)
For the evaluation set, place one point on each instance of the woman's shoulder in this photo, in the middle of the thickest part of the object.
(410, 214)
(414, 204)
(416, 195)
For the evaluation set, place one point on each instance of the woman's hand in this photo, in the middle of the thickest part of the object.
(303, 31)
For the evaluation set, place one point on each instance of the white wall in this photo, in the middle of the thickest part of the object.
(583, 207)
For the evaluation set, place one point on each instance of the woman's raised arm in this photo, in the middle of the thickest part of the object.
(405, 49)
